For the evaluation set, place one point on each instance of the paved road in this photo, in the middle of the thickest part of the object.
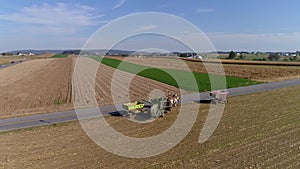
(11, 64)
(51, 118)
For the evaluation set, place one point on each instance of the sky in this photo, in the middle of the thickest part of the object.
(240, 25)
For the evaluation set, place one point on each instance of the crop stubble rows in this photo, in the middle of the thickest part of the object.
(34, 86)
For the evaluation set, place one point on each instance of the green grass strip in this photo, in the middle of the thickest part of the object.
(168, 76)
(60, 56)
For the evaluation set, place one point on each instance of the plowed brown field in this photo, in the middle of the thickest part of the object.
(38, 86)
(259, 73)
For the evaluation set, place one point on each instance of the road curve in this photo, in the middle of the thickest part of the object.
(57, 117)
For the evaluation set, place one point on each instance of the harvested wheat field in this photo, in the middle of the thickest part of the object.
(35, 86)
(263, 133)
(259, 73)
(38, 86)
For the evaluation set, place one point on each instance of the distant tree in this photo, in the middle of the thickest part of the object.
(71, 52)
(273, 56)
(292, 58)
(295, 58)
(6, 54)
(183, 55)
(232, 55)
(241, 57)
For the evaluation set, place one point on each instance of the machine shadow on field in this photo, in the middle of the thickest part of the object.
(116, 114)
(141, 117)
(208, 101)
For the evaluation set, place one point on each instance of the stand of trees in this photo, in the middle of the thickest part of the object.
(187, 54)
(273, 57)
(6, 54)
(232, 55)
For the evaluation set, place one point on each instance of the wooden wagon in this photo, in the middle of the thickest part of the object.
(219, 96)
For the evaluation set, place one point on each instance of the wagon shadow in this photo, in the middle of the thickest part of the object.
(203, 101)
(116, 114)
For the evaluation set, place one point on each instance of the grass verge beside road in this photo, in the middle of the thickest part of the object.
(183, 77)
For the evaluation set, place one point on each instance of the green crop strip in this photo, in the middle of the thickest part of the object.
(168, 76)
(60, 56)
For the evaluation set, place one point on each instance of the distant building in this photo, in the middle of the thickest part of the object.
(196, 57)
(293, 54)
(25, 54)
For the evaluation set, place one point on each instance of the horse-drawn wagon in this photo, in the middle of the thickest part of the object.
(219, 96)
